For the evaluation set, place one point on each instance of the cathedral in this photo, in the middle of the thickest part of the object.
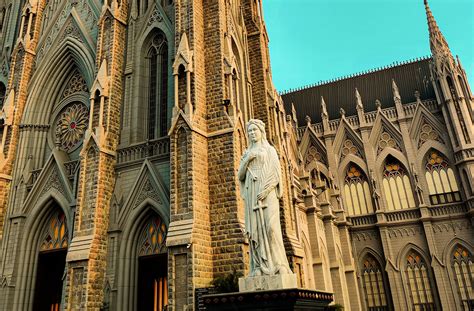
(122, 125)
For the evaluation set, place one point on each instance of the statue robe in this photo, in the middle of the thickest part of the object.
(262, 219)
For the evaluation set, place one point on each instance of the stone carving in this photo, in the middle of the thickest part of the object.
(147, 191)
(155, 17)
(349, 148)
(260, 177)
(428, 133)
(75, 85)
(386, 140)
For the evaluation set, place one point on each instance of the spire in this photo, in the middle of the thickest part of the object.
(324, 112)
(359, 104)
(396, 92)
(438, 44)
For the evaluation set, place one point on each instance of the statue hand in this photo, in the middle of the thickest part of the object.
(262, 195)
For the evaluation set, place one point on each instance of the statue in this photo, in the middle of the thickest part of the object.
(260, 178)
(375, 192)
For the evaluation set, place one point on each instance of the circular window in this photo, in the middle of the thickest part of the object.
(71, 125)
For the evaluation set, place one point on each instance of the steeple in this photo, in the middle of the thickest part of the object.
(438, 44)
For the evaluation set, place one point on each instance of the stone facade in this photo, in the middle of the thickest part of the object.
(122, 125)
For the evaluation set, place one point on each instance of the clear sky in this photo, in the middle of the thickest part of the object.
(314, 40)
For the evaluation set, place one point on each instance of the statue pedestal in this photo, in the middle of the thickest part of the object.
(267, 282)
(289, 299)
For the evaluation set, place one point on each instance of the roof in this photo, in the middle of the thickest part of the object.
(409, 76)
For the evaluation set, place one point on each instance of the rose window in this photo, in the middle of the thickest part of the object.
(71, 126)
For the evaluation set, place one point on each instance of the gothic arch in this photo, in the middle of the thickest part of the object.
(419, 162)
(370, 251)
(34, 227)
(47, 81)
(352, 159)
(127, 265)
(321, 166)
(452, 244)
(379, 163)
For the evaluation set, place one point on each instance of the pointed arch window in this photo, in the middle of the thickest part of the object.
(419, 283)
(152, 238)
(396, 185)
(463, 271)
(152, 271)
(56, 236)
(442, 185)
(357, 192)
(158, 87)
(374, 290)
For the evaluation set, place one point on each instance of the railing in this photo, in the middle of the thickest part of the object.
(464, 154)
(409, 109)
(443, 198)
(318, 128)
(158, 147)
(370, 117)
(363, 220)
(390, 113)
(403, 215)
(353, 121)
(448, 210)
(333, 125)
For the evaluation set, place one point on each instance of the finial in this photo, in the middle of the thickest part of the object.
(342, 112)
(378, 104)
(308, 120)
(417, 96)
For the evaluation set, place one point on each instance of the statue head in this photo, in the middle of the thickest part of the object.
(256, 132)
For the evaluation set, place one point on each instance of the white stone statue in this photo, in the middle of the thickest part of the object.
(261, 188)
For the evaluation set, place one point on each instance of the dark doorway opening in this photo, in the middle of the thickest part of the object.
(152, 283)
(49, 280)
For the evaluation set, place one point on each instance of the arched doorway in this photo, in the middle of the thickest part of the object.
(152, 283)
(51, 264)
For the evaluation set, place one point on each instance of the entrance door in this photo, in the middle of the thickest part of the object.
(49, 280)
(152, 283)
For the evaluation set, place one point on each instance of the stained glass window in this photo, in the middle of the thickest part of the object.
(153, 237)
(56, 236)
(396, 185)
(372, 278)
(356, 192)
(158, 87)
(442, 184)
(418, 279)
(463, 269)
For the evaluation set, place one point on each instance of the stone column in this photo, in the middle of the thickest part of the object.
(22, 63)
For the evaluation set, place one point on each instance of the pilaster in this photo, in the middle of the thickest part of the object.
(86, 258)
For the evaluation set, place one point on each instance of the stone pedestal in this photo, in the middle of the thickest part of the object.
(267, 282)
(269, 300)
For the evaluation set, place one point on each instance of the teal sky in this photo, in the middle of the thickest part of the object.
(314, 40)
